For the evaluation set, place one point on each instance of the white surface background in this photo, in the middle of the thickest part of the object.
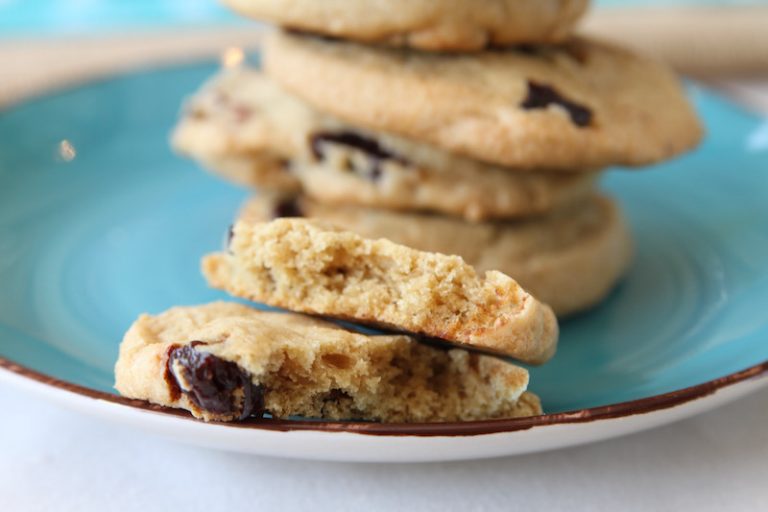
(57, 460)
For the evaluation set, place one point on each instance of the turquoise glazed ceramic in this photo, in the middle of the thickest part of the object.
(100, 222)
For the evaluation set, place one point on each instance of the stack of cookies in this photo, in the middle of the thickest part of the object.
(412, 162)
(475, 128)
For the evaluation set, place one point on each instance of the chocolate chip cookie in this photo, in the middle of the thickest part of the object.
(425, 24)
(570, 259)
(247, 128)
(311, 267)
(226, 362)
(578, 105)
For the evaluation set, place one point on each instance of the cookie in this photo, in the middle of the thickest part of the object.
(455, 25)
(248, 129)
(579, 105)
(310, 267)
(225, 130)
(570, 259)
(226, 361)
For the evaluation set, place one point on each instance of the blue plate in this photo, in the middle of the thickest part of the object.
(100, 222)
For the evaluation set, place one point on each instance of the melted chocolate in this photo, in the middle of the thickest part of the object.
(371, 147)
(173, 386)
(212, 382)
(542, 96)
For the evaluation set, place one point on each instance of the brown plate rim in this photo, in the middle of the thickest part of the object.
(470, 428)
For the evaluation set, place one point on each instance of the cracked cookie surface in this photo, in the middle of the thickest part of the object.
(578, 105)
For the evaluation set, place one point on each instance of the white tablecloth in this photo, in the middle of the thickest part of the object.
(57, 460)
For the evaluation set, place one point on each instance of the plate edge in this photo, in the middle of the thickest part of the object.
(472, 428)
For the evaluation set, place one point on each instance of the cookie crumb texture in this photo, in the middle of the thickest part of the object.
(570, 259)
(245, 362)
(455, 25)
(311, 267)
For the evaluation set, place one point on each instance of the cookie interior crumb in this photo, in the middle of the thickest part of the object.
(306, 266)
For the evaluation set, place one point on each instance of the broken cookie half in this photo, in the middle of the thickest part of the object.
(226, 361)
(312, 267)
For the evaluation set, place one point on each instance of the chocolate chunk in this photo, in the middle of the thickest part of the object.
(213, 384)
(287, 208)
(542, 96)
(371, 147)
(173, 386)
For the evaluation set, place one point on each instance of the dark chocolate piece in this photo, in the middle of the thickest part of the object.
(287, 208)
(351, 139)
(173, 386)
(371, 147)
(542, 96)
(212, 383)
